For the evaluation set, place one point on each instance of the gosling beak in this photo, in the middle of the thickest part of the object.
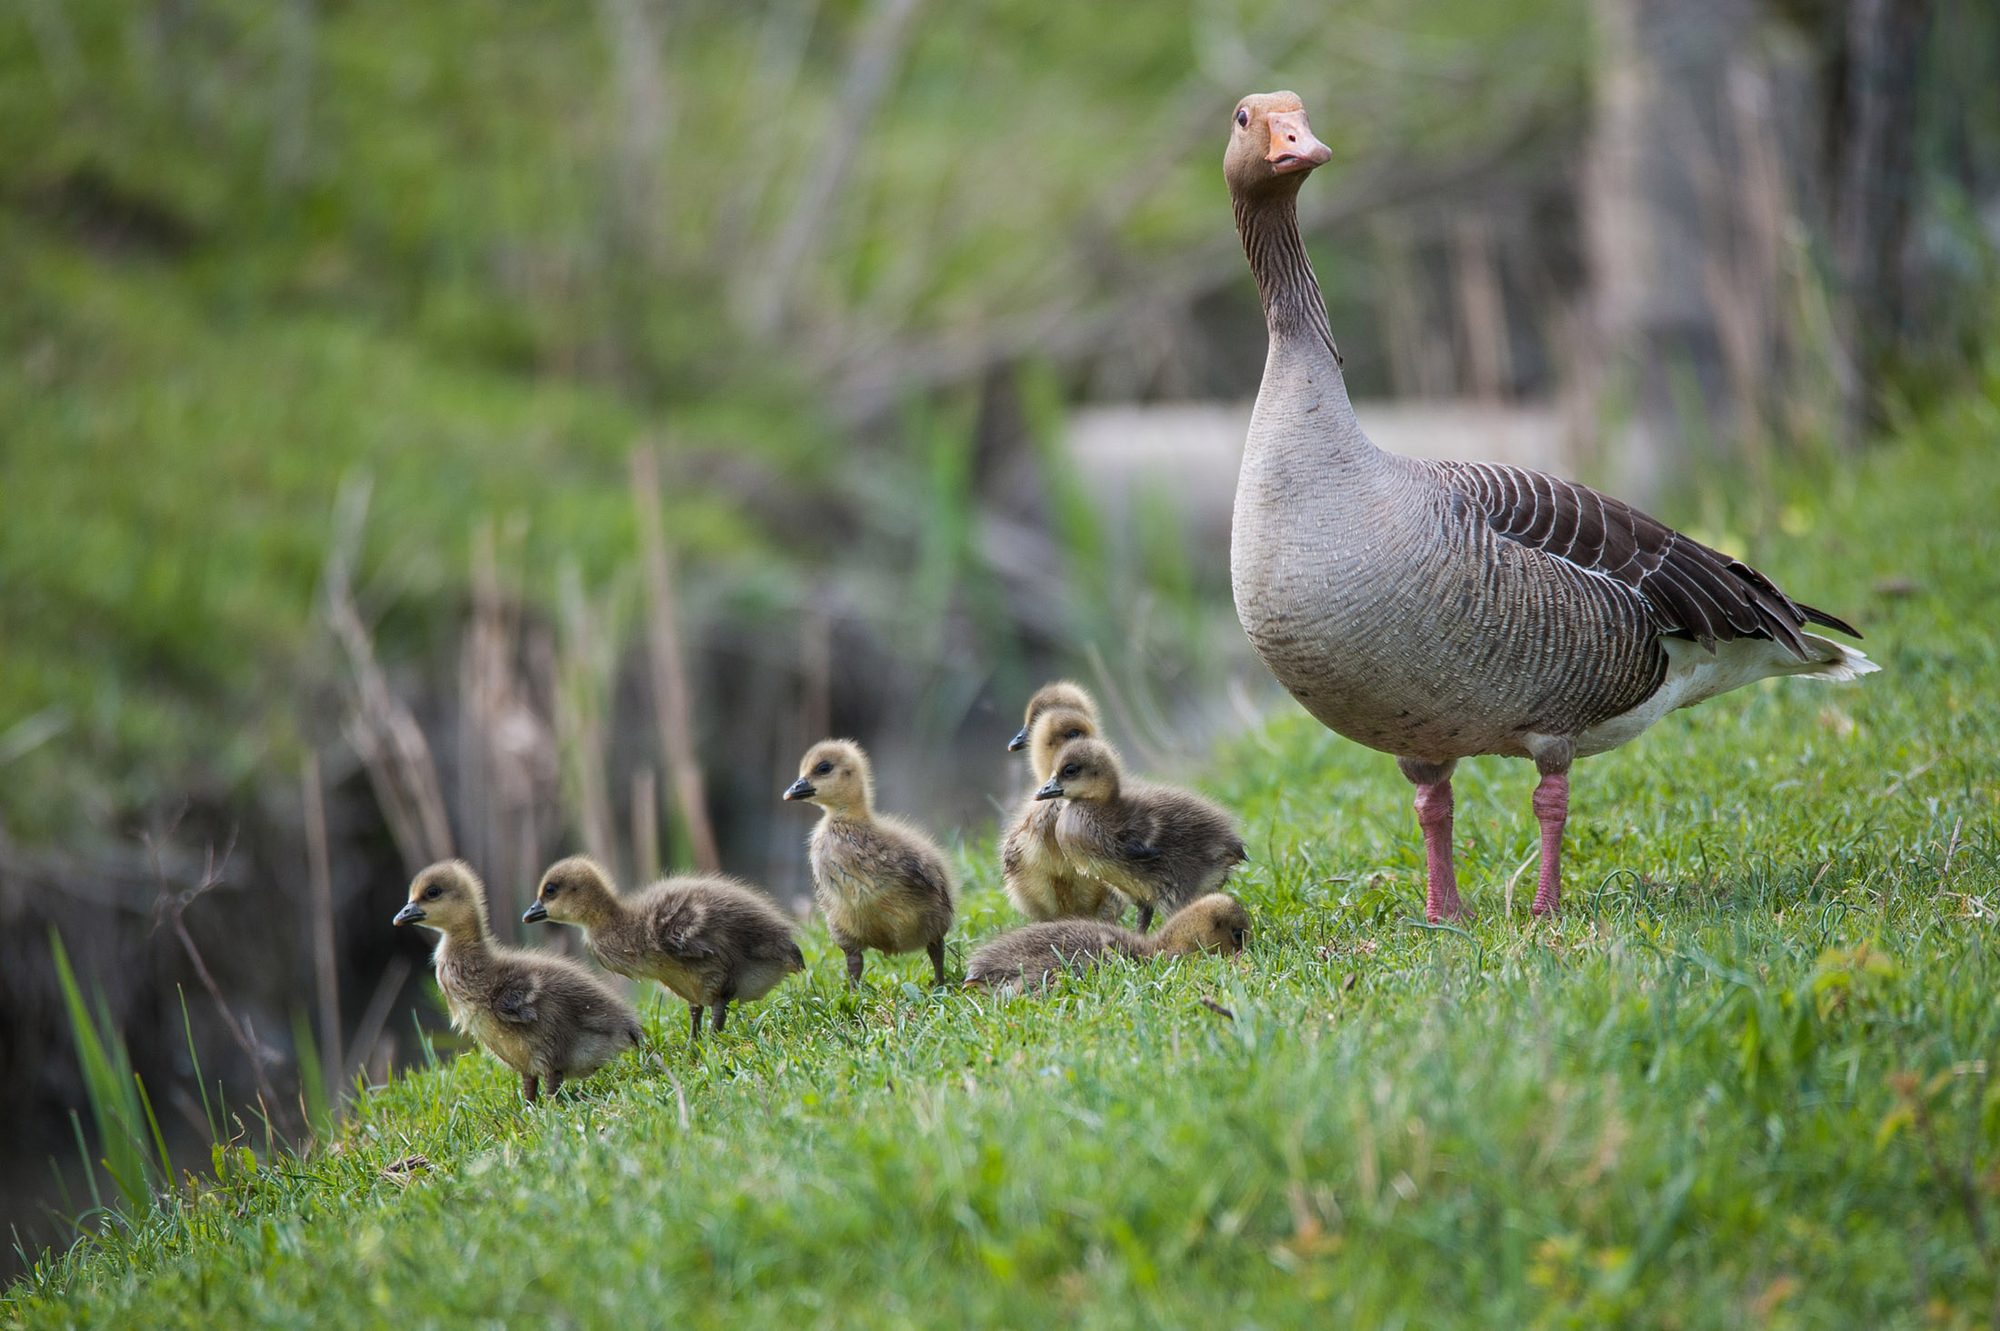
(1019, 742)
(1052, 791)
(801, 789)
(410, 914)
(1293, 147)
(534, 914)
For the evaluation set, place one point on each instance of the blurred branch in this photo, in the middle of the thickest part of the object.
(384, 734)
(171, 906)
(387, 990)
(874, 373)
(671, 694)
(634, 32)
(871, 68)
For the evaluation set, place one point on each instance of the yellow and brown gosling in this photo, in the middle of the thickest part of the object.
(1027, 957)
(1040, 879)
(547, 1018)
(879, 881)
(1063, 694)
(710, 939)
(1160, 846)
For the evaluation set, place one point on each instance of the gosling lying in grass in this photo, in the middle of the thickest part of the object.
(1160, 846)
(879, 881)
(1040, 879)
(545, 1017)
(1028, 956)
(709, 939)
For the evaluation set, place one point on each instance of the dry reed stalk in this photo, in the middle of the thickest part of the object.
(369, 1033)
(645, 826)
(507, 751)
(582, 686)
(380, 728)
(672, 699)
(1482, 309)
(319, 866)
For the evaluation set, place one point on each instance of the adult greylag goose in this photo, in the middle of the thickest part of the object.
(1028, 956)
(710, 939)
(1441, 610)
(546, 1017)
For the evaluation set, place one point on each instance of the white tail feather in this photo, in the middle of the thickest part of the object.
(1838, 661)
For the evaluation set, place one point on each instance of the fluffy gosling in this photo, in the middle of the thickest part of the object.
(1040, 879)
(1027, 957)
(709, 939)
(879, 881)
(545, 1017)
(1160, 846)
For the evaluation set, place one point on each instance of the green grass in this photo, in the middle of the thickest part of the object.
(1742, 1080)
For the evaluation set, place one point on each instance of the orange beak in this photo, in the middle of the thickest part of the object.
(1293, 147)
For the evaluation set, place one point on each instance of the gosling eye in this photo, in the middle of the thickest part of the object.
(549, 890)
(433, 892)
(1073, 734)
(1243, 117)
(1070, 770)
(1237, 934)
(822, 769)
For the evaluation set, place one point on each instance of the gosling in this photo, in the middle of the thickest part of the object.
(545, 1017)
(1160, 846)
(879, 881)
(709, 939)
(1038, 876)
(1062, 694)
(1029, 956)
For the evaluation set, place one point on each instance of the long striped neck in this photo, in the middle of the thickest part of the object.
(1293, 307)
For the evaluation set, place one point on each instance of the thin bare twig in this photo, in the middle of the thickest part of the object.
(172, 907)
(387, 990)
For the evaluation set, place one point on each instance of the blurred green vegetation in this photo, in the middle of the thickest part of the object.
(478, 251)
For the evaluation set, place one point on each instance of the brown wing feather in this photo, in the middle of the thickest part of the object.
(1687, 588)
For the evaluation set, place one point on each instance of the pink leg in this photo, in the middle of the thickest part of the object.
(1434, 816)
(1552, 811)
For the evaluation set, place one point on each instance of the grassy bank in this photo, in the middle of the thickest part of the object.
(1743, 1080)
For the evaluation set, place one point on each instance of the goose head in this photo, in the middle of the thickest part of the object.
(835, 775)
(1061, 693)
(1052, 730)
(449, 898)
(573, 891)
(1083, 769)
(1214, 923)
(1270, 144)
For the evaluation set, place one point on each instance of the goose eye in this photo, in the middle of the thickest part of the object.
(1073, 734)
(433, 892)
(1243, 117)
(549, 890)
(1071, 770)
(822, 769)
(1237, 934)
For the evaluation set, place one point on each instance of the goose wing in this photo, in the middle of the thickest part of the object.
(517, 998)
(1687, 588)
